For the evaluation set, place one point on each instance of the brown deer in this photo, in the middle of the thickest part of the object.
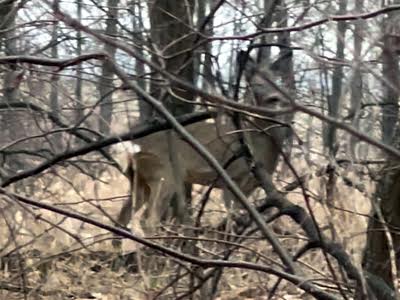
(153, 173)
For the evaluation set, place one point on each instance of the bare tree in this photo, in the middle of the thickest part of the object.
(106, 85)
(357, 80)
(174, 47)
(337, 80)
(78, 85)
(381, 250)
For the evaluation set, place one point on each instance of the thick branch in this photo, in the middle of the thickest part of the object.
(51, 62)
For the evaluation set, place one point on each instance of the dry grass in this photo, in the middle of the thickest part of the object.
(57, 265)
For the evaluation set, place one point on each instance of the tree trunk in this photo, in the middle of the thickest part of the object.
(13, 75)
(204, 57)
(390, 71)
(171, 23)
(337, 77)
(176, 18)
(145, 110)
(356, 81)
(54, 103)
(383, 241)
(285, 64)
(106, 85)
(78, 85)
(377, 254)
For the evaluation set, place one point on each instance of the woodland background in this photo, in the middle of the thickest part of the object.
(67, 118)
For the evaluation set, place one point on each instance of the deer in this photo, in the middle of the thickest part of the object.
(153, 175)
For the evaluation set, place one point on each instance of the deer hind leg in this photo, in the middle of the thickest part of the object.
(150, 188)
(125, 214)
(138, 191)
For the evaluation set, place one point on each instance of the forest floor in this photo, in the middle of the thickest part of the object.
(78, 261)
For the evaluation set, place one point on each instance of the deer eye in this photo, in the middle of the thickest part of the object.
(271, 101)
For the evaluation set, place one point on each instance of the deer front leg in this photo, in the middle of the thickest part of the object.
(157, 203)
(231, 204)
(246, 185)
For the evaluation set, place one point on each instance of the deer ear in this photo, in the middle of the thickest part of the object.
(248, 65)
(242, 59)
(282, 60)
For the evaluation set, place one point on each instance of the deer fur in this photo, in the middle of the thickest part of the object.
(157, 176)
(151, 173)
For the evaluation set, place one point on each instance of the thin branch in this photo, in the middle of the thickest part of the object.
(332, 18)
